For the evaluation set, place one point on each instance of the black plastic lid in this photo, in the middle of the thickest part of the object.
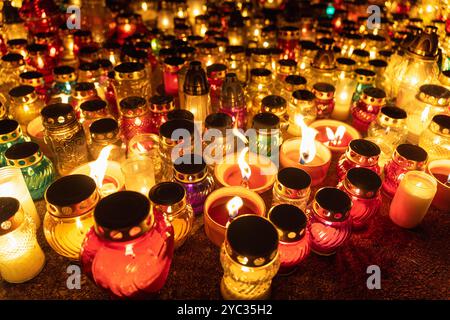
(260, 72)
(375, 92)
(394, 112)
(273, 102)
(288, 218)
(174, 61)
(436, 91)
(219, 120)
(56, 110)
(365, 147)
(71, 189)
(303, 95)
(266, 120)
(12, 57)
(295, 80)
(21, 150)
(378, 63)
(190, 164)
(21, 91)
(333, 200)
(28, 75)
(167, 128)
(104, 125)
(364, 179)
(294, 178)
(412, 152)
(63, 70)
(121, 210)
(252, 236)
(93, 105)
(167, 193)
(443, 120)
(129, 67)
(180, 114)
(8, 125)
(84, 86)
(132, 102)
(8, 208)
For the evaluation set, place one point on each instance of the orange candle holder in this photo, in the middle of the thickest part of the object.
(440, 170)
(216, 216)
(317, 168)
(263, 172)
(350, 134)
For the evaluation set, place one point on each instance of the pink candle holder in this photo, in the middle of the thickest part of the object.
(340, 143)
(216, 216)
(263, 173)
(317, 168)
(440, 171)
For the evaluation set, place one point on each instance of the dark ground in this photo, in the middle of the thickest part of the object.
(415, 264)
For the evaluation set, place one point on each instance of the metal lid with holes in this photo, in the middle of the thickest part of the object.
(362, 182)
(332, 204)
(299, 96)
(186, 53)
(104, 129)
(13, 59)
(260, 75)
(168, 197)
(323, 91)
(293, 183)
(410, 156)
(289, 33)
(374, 96)
(129, 71)
(82, 90)
(434, 94)
(64, 74)
(220, 121)
(295, 80)
(133, 106)
(232, 92)
(266, 120)
(290, 222)
(251, 241)
(274, 104)
(345, 64)
(11, 215)
(363, 152)
(425, 45)
(173, 64)
(9, 130)
(32, 78)
(324, 59)
(216, 71)
(196, 82)
(441, 124)
(123, 216)
(286, 66)
(180, 114)
(190, 168)
(378, 64)
(392, 116)
(261, 54)
(23, 94)
(93, 106)
(161, 104)
(168, 128)
(365, 76)
(22, 155)
(207, 48)
(58, 114)
(308, 48)
(235, 52)
(360, 55)
(71, 196)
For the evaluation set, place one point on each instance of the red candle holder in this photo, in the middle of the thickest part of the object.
(170, 76)
(366, 110)
(440, 170)
(288, 42)
(135, 117)
(216, 216)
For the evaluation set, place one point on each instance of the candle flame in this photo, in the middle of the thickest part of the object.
(424, 114)
(233, 206)
(246, 171)
(98, 167)
(335, 138)
(144, 6)
(307, 145)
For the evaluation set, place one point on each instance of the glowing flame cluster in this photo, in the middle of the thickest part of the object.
(335, 138)
(98, 167)
(307, 145)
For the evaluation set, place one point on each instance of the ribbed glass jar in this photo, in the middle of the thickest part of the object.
(292, 187)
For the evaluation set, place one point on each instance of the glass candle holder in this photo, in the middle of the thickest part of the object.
(260, 59)
(412, 199)
(236, 62)
(170, 75)
(160, 106)
(291, 84)
(216, 76)
(430, 100)
(207, 53)
(92, 110)
(349, 42)
(232, 101)
(65, 136)
(70, 203)
(249, 258)
(140, 244)
(65, 79)
(21, 258)
(436, 138)
(36, 80)
(406, 157)
(365, 78)
(10, 134)
(139, 174)
(308, 50)
(390, 126)
(284, 67)
(276, 105)
(196, 92)
(379, 67)
(323, 65)
(345, 86)
(294, 244)
(259, 87)
(12, 184)
(361, 58)
(37, 169)
(169, 199)
(330, 220)
(82, 92)
(12, 65)
(268, 139)
(440, 170)
(288, 41)
(360, 153)
(366, 110)
(105, 132)
(25, 105)
(292, 186)
(40, 59)
(301, 105)
(324, 99)
(363, 187)
(216, 138)
(134, 118)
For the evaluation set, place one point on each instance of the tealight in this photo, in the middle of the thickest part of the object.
(336, 135)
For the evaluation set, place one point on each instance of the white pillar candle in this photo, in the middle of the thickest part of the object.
(412, 199)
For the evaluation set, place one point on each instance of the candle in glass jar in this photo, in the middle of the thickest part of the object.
(440, 170)
(412, 199)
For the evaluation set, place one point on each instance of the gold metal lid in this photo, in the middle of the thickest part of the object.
(274, 104)
(168, 198)
(190, 168)
(31, 78)
(365, 76)
(363, 152)
(362, 182)
(13, 59)
(425, 45)
(374, 96)
(133, 106)
(332, 204)
(345, 64)
(434, 94)
(286, 66)
(9, 130)
(173, 64)
(11, 215)
(105, 129)
(22, 155)
(444, 78)
(441, 124)
(289, 33)
(129, 71)
(391, 116)
(323, 91)
(161, 104)
(57, 115)
(64, 74)
(292, 183)
(410, 156)
(23, 94)
(260, 75)
(290, 222)
(83, 90)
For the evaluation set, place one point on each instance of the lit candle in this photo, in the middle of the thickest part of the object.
(21, 257)
(440, 170)
(139, 174)
(412, 199)
(223, 205)
(336, 135)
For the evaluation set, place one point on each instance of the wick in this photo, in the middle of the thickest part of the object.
(244, 183)
(302, 158)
